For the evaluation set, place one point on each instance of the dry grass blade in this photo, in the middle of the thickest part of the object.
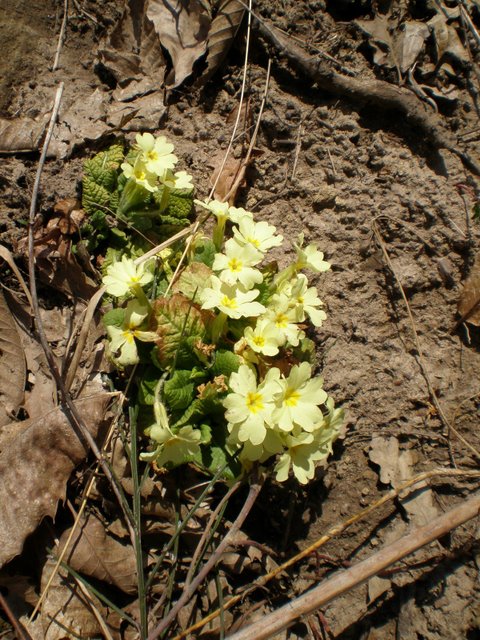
(189, 591)
(271, 624)
(13, 370)
(221, 35)
(68, 606)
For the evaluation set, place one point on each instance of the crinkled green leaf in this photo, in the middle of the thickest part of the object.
(103, 168)
(226, 362)
(193, 279)
(180, 204)
(176, 320)
(179, 390)
(95, 196)
(205, 252)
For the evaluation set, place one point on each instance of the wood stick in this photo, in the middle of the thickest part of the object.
(343, 581)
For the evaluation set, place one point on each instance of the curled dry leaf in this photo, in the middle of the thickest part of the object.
(95, 553)
(223, 29)
(182, 28)
(34, 468)
(12, 364)
(469, 302)
(397, 466)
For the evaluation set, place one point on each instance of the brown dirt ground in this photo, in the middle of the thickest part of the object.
(330, 170)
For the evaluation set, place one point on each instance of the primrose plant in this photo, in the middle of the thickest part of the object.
(224, 368)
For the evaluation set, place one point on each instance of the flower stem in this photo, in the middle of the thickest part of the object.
(218, 326)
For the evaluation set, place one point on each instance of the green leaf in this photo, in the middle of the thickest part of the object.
(180, 204)
(179, 390)
(147, 384)
(95, 196)
(226, 363)
(104, 167)
(476, 211)
(208, 405)
(176, 320)
(204, 252)
(114, 318)
(193, 279)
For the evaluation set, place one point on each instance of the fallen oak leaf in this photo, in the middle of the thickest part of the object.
(12, 364)
(469, 302)
(36, 460)
(68, 609)
(95, 553)
(221, 35)
(182, 28)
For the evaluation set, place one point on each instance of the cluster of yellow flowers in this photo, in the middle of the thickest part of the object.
(278, 415)
(271, 401)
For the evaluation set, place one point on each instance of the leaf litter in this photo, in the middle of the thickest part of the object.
(130, 108)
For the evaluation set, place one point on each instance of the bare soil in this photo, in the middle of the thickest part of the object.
(336, 172)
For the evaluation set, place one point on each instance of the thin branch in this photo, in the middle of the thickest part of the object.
(61, 35)
(22, 633)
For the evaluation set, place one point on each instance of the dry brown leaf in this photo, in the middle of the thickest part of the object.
(182, 26)
(83, 120)
(21, 134)
(12, 364)
(66, 611)
(469, 302)
(56, 265)
(93, 552)
(34, 469)
(228, 175)
(394, 44)
(397, 466)
(223, 30)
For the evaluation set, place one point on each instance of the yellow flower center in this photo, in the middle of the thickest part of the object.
(152, 155)
(230, 303)
(281, 321)
(235, 265)
(259, 341)
(141, 175)
(128, 336)
(253, 241)
(291, 397)
(254, 402)
(300, 299)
